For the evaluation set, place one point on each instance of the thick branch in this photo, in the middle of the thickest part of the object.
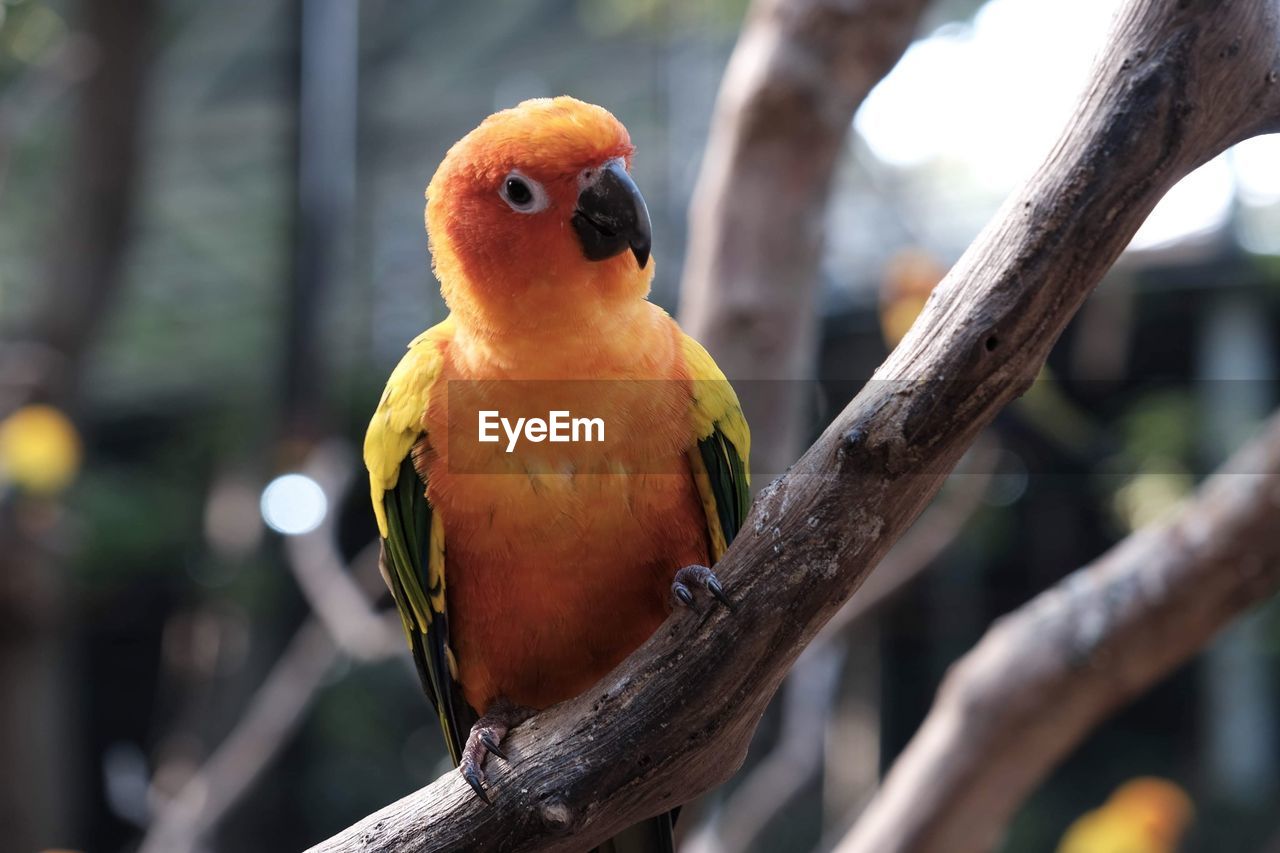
(797, 757)
(936, 529)
(1181, 80)
(800, 70)
(1043, 676)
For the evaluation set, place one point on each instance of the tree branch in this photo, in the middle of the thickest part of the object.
(936, 529)
(1181, 80)
(1043, 676)
(798, 756)
(86, 262)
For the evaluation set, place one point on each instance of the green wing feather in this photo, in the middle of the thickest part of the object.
(655, 835)
(719, 461)
(413, 558)
(418, 590)
(729, 482)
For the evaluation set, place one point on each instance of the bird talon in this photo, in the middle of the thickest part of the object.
(717, 591)
(485, 739)
(699, 577)
(491, 745)
(475, 778)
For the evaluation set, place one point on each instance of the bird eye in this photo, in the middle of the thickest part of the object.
(523, 194)
(518, 192)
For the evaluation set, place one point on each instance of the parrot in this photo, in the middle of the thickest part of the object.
(525, 570)
(1144, 815)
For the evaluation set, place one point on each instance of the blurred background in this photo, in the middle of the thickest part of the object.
(212, 254)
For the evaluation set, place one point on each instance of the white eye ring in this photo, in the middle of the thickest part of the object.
(523, 194)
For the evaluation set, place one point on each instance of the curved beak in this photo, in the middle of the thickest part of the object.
(611, 216)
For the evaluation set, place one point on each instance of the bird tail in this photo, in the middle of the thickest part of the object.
(655, 835)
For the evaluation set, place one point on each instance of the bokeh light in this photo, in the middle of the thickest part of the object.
(293, 504)
(984, 101)
(40, 450)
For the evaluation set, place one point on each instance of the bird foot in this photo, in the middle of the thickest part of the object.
(696, 577)
(486, 738)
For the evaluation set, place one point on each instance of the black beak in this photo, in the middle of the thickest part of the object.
(611, 217)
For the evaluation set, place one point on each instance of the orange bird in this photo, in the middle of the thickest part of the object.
(527, 566)
(1144, 815)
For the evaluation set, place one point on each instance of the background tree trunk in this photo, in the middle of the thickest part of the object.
(800, 70)
(37, 790)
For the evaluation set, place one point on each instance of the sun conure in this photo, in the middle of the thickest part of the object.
(526, 569)
(1144, 815)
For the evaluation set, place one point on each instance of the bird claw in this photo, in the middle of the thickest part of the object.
(698, 577)
(491, 745)
(485, 739)
(476, 779)
(717, 591)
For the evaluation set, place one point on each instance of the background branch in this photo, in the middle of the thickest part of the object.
(273, 714)
(343, 621)
(800, 70)
(329, 586)
(1179, 81)
(808, 696)
(1046, 674)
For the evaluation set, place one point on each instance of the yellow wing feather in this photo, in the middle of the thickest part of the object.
(397, 422)
(723, 445)
(412, 532)
(714, 402)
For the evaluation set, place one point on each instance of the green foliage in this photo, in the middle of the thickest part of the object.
(31, 34)
(1160, 426)
(370, 739)
(134, 520)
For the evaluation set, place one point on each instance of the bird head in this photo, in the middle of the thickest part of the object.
(534, 212)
